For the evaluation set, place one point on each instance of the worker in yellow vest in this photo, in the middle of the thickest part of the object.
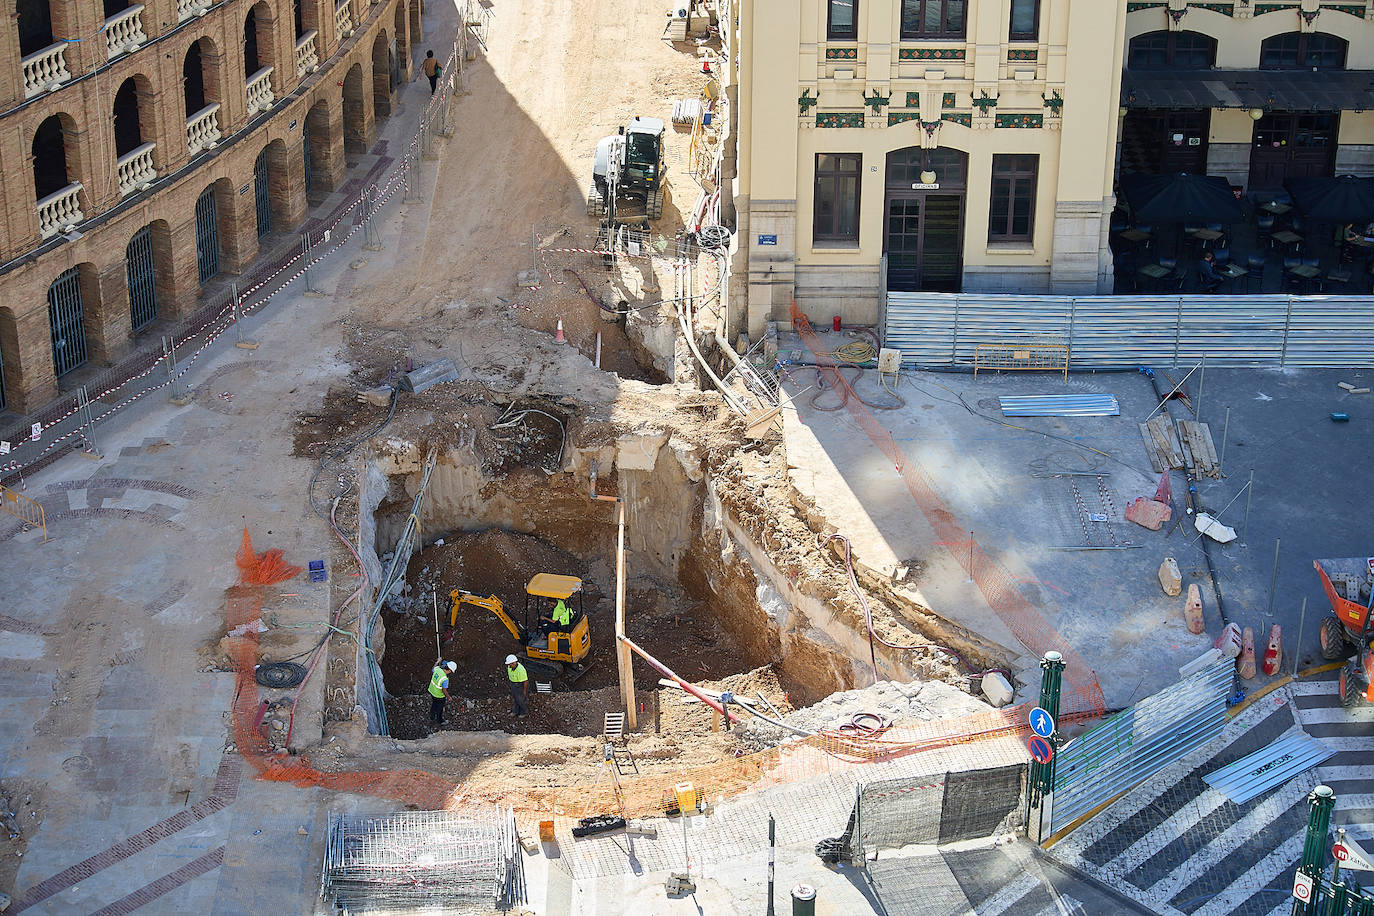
(438, 690)
(519, 685)
(559, 619)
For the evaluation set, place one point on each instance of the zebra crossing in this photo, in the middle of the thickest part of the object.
(1179, 846)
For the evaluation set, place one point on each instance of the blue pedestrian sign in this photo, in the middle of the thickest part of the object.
(1041, 722)
(1040, 749)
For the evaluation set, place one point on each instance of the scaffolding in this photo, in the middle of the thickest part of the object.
(447, 860)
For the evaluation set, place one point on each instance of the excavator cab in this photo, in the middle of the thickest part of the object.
(548, 649)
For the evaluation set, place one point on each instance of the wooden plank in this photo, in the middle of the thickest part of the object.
(1167, 437)
(1151, 450)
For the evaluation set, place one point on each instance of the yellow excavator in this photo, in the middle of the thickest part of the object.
(549, 649)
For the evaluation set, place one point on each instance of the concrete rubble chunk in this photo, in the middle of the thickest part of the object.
(1170, 579)
(377, 397)
(1214, 529)
(997, 689)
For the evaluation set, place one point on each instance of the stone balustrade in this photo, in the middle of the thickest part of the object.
(124, 31)
(307, 61)
(135, 169)
(202, 129)
(60, 210)
(343, 20)
(45, 69)
(259, 90)
(187, 9)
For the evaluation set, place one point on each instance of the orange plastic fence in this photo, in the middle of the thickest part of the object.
(1082, 695)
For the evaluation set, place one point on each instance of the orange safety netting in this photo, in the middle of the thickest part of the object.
(1082, 696)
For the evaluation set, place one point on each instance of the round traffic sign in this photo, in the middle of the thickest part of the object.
(1041, 722)
(1041, 750)
(1340, 852)
(1302, 886)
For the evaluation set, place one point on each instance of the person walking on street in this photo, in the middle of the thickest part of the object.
(438, 690)
(519, 685)
(431, 69)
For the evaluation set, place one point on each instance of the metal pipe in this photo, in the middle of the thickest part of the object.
(684, 684)
(1274, 579)
(1297, 646)
(1225, 431)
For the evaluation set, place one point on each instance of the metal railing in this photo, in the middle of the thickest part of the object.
(202, 129)
(1113, 332)
(24, 509)
(45, 69)
(135, 169)
(60, 211)
(258, 90)
(124, 31)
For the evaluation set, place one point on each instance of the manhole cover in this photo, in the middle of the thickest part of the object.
(78, 764)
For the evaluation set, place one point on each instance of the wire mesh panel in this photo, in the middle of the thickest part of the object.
(979, 802)
(261, 200)
(66, 322)
(420, 859)
(138, 264)
(207, 235)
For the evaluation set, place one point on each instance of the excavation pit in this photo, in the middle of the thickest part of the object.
(684, 633)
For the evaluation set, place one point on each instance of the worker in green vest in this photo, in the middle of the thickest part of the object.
(438, 690)
(560, 619)
(519, 685)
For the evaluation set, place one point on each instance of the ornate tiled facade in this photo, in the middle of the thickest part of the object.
(839, 119)
(931, 54)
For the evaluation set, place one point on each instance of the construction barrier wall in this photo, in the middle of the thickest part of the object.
(943, 808)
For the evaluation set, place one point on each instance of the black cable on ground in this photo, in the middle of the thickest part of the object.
(279, 674)
(1194, 502)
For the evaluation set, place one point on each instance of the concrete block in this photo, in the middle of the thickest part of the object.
(1246, 666)
(1192, 611)
(1213, 528)
(1147, 513)
(997, 689)
(1346, 385)
(1170, 579)
(1229, 642)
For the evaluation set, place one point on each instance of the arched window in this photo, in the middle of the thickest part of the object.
(49, 158)
(128, 134)
(193, 80)
(1302, 51)
(1172, 51)
(251, 61)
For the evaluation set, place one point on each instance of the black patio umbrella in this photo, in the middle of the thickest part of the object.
(1181, 198)
(1346, 199)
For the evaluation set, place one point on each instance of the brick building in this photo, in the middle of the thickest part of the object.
(146, 149)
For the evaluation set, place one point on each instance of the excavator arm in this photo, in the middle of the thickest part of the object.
(491, 603)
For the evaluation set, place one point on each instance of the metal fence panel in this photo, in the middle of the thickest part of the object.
(896, 812)
(1331, 332)
(1118, 332)
(262, 200)
(138, 265)
(207, 236)
(2, 378)
(66, 322)
(976, 803)
(1140, 741)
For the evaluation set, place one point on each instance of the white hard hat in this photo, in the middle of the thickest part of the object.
(510, 659)
(452, 666)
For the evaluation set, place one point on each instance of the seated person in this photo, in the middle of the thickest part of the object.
(560, 618)
(1207, 277)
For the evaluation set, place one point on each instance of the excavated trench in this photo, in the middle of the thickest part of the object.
(702, 597)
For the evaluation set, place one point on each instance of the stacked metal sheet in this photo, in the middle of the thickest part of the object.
(1060, 405)
(417, 859)
(1253, 775)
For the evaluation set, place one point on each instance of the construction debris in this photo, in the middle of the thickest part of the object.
(1148, 513)
(1214, 529)
(1060, 405)
(997, 688)
(1170, 579)
(1192, 610)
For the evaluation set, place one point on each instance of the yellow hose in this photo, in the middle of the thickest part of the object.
(855, 353)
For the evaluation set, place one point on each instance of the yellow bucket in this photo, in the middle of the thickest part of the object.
(686, 797)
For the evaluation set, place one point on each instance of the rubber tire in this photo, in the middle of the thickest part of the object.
(596, 204)
(1332, 638)
(1344, 689)
(654, 207)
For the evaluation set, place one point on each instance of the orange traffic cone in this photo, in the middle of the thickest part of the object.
(558, 334)
(1246, 665)
(1274, 652)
